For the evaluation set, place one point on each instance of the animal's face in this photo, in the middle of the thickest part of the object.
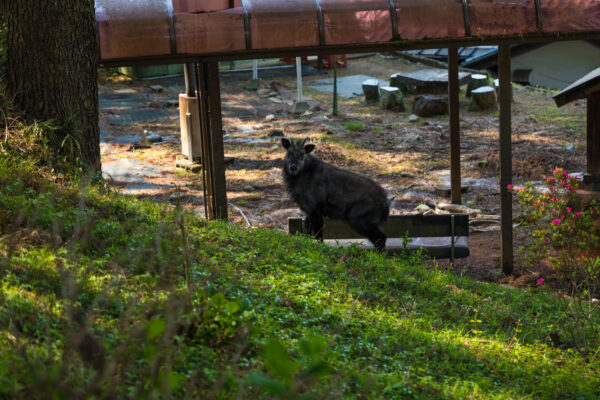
(295, 157)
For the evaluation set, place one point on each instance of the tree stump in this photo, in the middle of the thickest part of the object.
(477, 81)
(428, 106)
(391, 98)
(371, 90)
(483, 98)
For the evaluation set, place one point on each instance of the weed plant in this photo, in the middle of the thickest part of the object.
(106, 296)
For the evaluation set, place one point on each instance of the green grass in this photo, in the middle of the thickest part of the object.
(109, 297)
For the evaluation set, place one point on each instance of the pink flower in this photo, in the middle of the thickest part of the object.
(578, 214)
(569, 209)
(547, 240)
(509, 187)
(556, 221)
(557, 170)
(540, 281)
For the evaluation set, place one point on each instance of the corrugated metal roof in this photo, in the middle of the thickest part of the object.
(131, 29)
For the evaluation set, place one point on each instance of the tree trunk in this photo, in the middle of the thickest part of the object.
(51, 71)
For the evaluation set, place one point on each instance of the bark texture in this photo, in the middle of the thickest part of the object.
(51, 70)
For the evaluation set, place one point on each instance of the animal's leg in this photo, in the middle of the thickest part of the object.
(371, 230)
(316, 225)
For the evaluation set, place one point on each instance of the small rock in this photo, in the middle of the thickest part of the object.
(422, 208)
(276, 133)
(299, 108)
(249, 188)
(154, 137)
(176, 196)
(270, 118)
(413, 118)
(458, 208)
(430, 204)
(570, 148)
(171, 104)
(157, 88)
(428, 106)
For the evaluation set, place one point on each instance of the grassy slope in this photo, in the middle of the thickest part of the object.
(95, 302)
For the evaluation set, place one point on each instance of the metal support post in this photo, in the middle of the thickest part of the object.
(454, 124)
(505, 94)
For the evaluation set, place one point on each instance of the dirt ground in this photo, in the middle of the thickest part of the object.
(409, 159)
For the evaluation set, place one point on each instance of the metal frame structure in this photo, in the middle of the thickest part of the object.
(207, 81)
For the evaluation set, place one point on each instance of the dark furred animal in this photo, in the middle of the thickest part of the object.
(322, 190)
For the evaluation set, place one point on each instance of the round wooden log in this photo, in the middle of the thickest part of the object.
(477, 81)
(483, 98)
(391, 98)
(371, 90)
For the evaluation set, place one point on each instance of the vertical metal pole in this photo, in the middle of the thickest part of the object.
(217, 151)
(299, 78)
(190, 81)
(593, 135)
(335, 93)
(254, 69)
(454, 124)
(206, 185)
(190, 147)
(504, 74)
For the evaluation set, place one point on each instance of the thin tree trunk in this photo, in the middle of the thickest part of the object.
(51, 70)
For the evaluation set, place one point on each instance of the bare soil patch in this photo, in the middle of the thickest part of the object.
(409, 159)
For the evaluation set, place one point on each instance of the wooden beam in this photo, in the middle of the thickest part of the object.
(397, 226)
(352, 48)
(505, 94)
(454, 124)
(217, 152)
(593, 135)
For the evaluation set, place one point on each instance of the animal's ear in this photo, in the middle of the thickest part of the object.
(285, 143)
(308, 148)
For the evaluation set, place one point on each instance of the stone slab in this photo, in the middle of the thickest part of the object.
(117, 117)
(431, 80)
(348, 86)
(128, 170)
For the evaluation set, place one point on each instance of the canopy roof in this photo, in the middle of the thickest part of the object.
(163, 29)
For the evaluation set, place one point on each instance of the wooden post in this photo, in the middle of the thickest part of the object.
(201, 75)
(593, 135)
(215, 135)
(504, 74)
(454, 124)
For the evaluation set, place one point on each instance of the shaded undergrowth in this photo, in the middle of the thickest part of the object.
(110, 297)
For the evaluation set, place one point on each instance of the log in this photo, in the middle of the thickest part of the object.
(483, 98)
(371, 90)
(391, 98)
(477, 81)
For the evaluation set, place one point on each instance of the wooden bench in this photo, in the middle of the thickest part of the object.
(442, 236)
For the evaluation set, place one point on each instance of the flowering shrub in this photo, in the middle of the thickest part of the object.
(567, 238)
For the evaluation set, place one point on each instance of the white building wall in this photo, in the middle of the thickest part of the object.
(558, 64)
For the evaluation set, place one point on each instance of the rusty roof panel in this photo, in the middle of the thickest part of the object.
(199, 33)
(571, 15)
(356, 21)
(430, 19)
(133, 28)
(180, 6)
(159, 29)
(267, 30)
(502, 17)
